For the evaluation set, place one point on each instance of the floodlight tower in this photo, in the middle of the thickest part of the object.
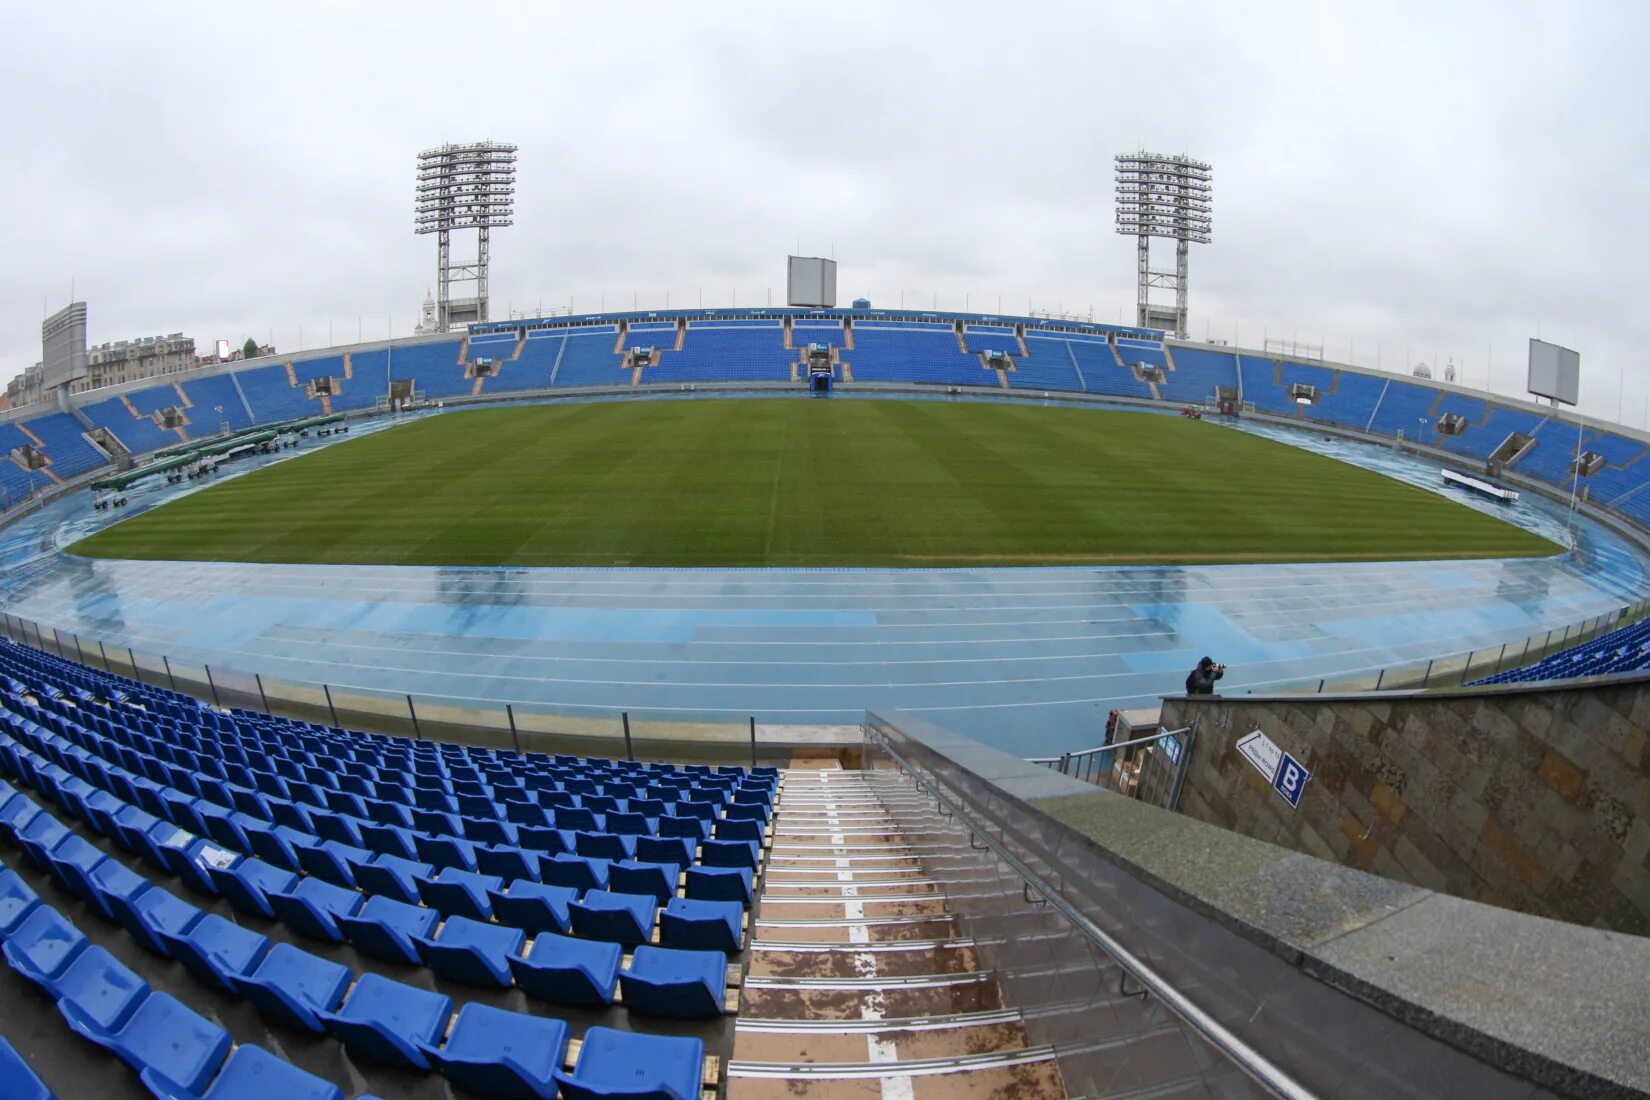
(1163, 196)
(464, 187)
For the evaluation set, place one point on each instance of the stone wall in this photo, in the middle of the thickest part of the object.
(1537, 800)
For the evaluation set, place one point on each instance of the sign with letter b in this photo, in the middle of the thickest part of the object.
(1291, 780)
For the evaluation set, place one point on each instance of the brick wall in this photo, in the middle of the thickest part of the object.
(1538, 801)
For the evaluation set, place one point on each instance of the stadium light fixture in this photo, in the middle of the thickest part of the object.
(1163, 196)
(462, 187)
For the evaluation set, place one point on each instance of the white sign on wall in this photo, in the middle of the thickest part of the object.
(1261, 751)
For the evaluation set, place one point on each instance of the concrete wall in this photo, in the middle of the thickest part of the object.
(1537, 800)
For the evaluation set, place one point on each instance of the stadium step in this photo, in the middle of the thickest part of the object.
(24, 428)
(464, 351)
(858, 985)
(131, 408)
(349, 367)
(291, 375)
(183, 398)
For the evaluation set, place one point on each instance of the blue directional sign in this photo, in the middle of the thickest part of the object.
(1291, 780)
(1170, 744)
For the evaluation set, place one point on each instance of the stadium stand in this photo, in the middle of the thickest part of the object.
(1400, 409)
(433, 368)
(1050, 366)
(272, 395)
(206, 395)
(1101, 371)
(1197, 374)
(139, 433)
(1624, 650)
(889, 352)
(589, 359)
(323, 831)
(713, 352)
(990, 338)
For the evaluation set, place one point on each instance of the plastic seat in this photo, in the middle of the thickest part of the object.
(252, 1073)
(508, 864)
(313, 906)
(40, 836)
(446, 851)
(459, 893)
(732, 828)
(334, 826)
(747, 811)
(575, 871)
(152, 915)
(332, 860)
(17, 1080)
(43, 946)
(163, 1040)
(569, 971)
(189, 857)
(390, 1022)
(392, 840)
(385, 928)
(484, 830)
(720, 884)
(729, 853)
(608, 846)
(495, 1052)
(216, 950)
(533, 906)
(698, 925)
(666, 849)
(633, 1066)
(535, 838)
(278, 845)
(15, 815)
(656, 880)
(248, 883)
(618, 918)
(293, 986)
(665, 981)
(693, 828)
(17, 901)
(471, 951)
(577, 817)
(71, 861)
(102, 987)
(392, 876)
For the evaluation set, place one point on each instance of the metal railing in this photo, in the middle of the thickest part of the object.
(1152, 769)
(1254, 1065)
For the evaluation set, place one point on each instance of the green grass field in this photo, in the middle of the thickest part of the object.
(834, 482)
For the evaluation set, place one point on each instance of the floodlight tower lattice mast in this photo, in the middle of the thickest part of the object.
(1163, 196)
(464, 187)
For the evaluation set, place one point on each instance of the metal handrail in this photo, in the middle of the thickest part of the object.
(1256, 1065)
(1079, 753)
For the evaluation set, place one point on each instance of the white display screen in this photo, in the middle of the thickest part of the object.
(1555, 372)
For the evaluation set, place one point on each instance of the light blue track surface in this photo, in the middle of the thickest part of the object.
(1027, 659)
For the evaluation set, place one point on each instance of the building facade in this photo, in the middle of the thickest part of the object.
(133, 360)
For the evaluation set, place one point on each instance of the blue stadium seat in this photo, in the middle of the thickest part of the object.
(494, 1052)
(333, 860)
(247, 883)
(313, 906)
(533, 906)
(702, 925)
(385, 928)
(618, 918)
(17, 901)
(720, 884)
(666, 981)
(292, 986)
(471, 951)
(577, 872)
(70, 863)
(392, 876)
(459, 893)
(252, 1073)
(17, 1080)
(666, 849)
(43, 946)
(618, 1064)
(164, 1040)
(390, 1022)
(508, 864)
(733, 828)
(153, 916)
(112, 880)
(608, 846)
(730, 853)
(40, 836)
(656, 880)
(102, 988)
(569, 971)
(216, 950)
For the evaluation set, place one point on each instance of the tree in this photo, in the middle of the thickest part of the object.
(249, 350)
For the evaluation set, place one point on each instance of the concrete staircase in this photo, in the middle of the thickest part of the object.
(858, 986)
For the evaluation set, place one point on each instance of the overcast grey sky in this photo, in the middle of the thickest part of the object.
(1418, 181)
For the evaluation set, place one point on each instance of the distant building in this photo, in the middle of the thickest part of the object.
(26, 388)
(134, 360)
(427, 320)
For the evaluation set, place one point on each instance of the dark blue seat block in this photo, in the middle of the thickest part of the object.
(385, 928)
(729, 853)
(634, 1066)
(333, 860)
(720, 884)
(17, 1080)
(702, 925)
(534, 907)
(313, 906)
(252, 1073)
(293, 986)
(576, 872)
(17, 901)
(43, 946)
(248, 883)
(390, 1022)
(71, 861)
(459, 893)
(392, 876)
(666, 849)
(608, 846)
(102, 988)
(112, 879)
(737, 829)
(509, 864)
(656, 880)
(693, 828)
(495, 1052)
(152, 915)
(569, 971)
(617, 918)
(163, 1040)
(471, 951)
(43, 833)
(666, 981)
(216, 950)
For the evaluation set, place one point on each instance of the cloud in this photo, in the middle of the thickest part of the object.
(1432, 181)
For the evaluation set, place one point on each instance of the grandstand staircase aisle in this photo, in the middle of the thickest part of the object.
(858, 985)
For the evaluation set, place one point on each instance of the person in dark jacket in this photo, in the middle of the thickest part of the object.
(1201, 680)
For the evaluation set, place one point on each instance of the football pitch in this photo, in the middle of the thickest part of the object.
(809, 483)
